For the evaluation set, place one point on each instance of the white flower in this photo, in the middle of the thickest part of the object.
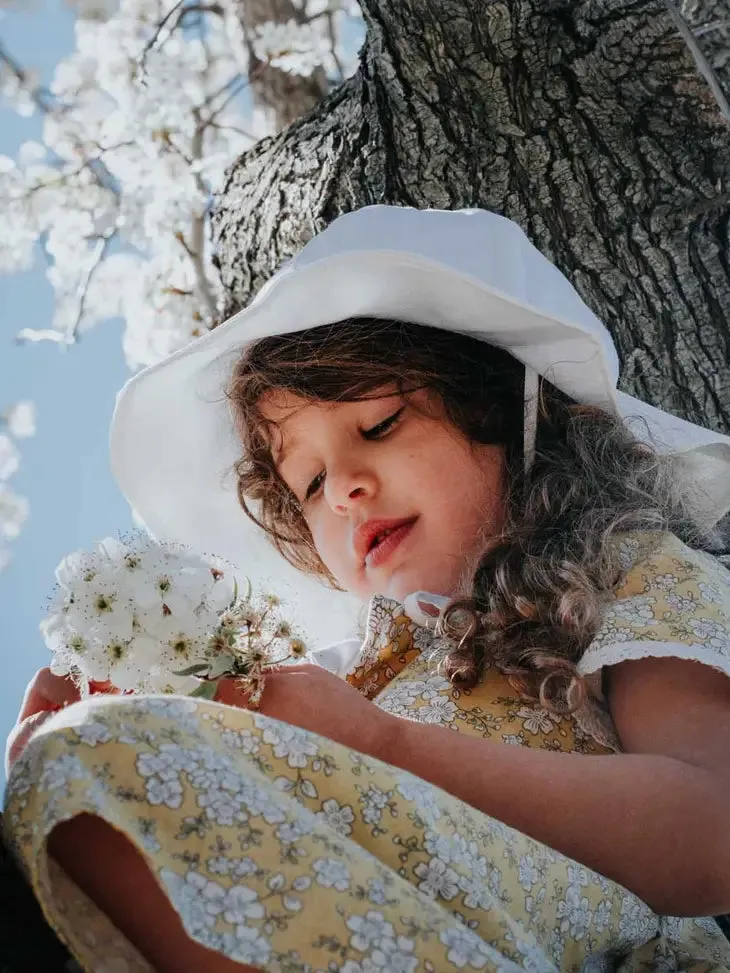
(637, 921)
(467, 949)
(395, 956)
(61, 771)
(291, 742)
(374, 800)
(338, 817)
(377, 891)
(710, 592)
(94, 733)
(476, 894)
(528, 874)
(330, 873)
(242, 904)
(437, 879)
(578, 876)
(21, 420)
(243, 740)
(665, 582)
(422, 794)
(575, 913)
(296, 48)
(536, 719)
(440, 710)
(637, 611)
(369, 930)
(148, 617)
(683, 606)
(711, 633)
(602, 915)
(222, 807)
(251, 947)
(167, 792)
(197, 900)
(261, 803)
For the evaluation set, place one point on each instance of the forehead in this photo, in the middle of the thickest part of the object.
(288, 415)
(279, 405)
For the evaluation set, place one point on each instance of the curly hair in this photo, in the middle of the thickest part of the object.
(537, 596)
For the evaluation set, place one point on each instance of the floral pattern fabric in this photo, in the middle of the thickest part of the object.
(289, 852)
(674, 602)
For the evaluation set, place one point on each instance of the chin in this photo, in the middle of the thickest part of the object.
(400, 588)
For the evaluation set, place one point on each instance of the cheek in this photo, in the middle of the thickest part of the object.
(328, 534)
(468, 491)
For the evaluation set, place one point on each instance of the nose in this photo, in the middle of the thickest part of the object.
(348, 486)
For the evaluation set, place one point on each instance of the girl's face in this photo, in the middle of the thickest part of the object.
(396, 498)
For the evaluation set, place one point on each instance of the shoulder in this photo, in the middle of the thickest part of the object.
(663, 563)
(673, 602)
(660, 661)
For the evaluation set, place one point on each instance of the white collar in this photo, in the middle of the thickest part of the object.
(340, 657)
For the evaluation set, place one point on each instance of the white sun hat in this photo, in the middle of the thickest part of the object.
(173, 444)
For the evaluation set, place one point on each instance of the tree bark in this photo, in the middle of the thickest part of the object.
(588, 123)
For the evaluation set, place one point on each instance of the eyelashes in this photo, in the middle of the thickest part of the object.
(314, 486)
(374, 433)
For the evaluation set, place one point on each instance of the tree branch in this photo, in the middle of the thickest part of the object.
(42, 98)
(697, 53)
(102, 246)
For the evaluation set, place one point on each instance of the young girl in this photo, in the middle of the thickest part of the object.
(525, 764)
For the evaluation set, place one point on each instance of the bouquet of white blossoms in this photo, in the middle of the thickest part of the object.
(155, 618)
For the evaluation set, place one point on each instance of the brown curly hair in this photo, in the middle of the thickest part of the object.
(539, 590)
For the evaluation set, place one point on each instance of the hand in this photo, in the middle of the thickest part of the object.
(311, 697)
(45, 695)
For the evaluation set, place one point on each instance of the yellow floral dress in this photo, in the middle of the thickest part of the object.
(288, 852)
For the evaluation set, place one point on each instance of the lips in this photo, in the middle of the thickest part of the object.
(375, 538)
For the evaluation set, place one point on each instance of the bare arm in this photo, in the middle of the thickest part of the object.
(655, 819)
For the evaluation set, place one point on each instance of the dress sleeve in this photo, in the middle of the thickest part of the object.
(674, 603)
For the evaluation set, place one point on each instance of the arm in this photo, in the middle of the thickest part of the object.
(655, 819)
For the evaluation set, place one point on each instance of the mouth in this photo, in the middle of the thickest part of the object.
(385, 542)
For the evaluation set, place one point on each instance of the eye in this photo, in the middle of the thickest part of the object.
(314, 486)
(376, 432)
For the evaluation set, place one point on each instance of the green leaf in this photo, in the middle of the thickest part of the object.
(206, 690)
(221, 665)
(192, 670)
(249, 590)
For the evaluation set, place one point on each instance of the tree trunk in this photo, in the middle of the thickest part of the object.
(588, 123)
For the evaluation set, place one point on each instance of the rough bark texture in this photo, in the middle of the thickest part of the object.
(586, 122)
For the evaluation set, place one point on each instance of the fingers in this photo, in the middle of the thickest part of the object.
(21, 734)
(47, 693)
(230, 692)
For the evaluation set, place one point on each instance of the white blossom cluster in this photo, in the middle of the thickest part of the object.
(139, 124)
(149, 617)
(296, 48)
(18, 422)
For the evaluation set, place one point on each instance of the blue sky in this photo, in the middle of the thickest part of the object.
(64, 470)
